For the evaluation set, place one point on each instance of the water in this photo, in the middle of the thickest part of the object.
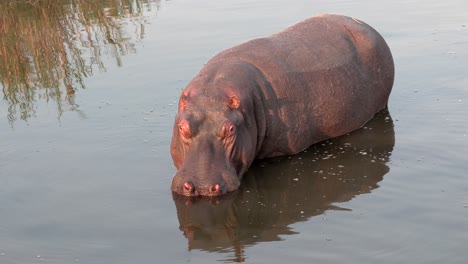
(89, 96)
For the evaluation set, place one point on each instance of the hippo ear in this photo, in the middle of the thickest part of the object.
(182, 102)
(233, 102)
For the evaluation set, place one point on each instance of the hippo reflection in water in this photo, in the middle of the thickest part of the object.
(278, 192)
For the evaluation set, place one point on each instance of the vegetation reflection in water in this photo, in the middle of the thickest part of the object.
(48, 47)
(276, 193)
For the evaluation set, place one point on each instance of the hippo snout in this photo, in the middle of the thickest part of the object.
(189, 186)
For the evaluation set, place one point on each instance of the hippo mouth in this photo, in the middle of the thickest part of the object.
(207, 186)
(214, 200)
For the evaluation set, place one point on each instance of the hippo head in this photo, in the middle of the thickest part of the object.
(213, 142)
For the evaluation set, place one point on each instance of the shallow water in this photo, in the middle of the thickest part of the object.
(89, 96)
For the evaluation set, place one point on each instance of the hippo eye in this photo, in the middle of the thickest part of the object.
(184, 129)
(230, 131)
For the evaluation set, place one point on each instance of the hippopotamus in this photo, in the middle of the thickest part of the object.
(320, 78)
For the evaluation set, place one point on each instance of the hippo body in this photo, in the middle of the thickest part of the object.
(321, 78)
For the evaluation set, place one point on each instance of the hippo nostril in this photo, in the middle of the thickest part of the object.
(215, 188)
(188, 186)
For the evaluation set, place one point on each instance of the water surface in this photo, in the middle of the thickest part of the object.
(89, 93)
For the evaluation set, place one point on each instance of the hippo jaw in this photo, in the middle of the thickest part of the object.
(189, 184)
(207, 170)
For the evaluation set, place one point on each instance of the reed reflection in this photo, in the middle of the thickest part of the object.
(276, 193)
(48, 47)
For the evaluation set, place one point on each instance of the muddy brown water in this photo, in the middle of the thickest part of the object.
(89, 93)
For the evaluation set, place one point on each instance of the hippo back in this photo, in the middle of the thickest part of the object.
(327, 75)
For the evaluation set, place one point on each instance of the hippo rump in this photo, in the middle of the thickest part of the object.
(321, 78)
